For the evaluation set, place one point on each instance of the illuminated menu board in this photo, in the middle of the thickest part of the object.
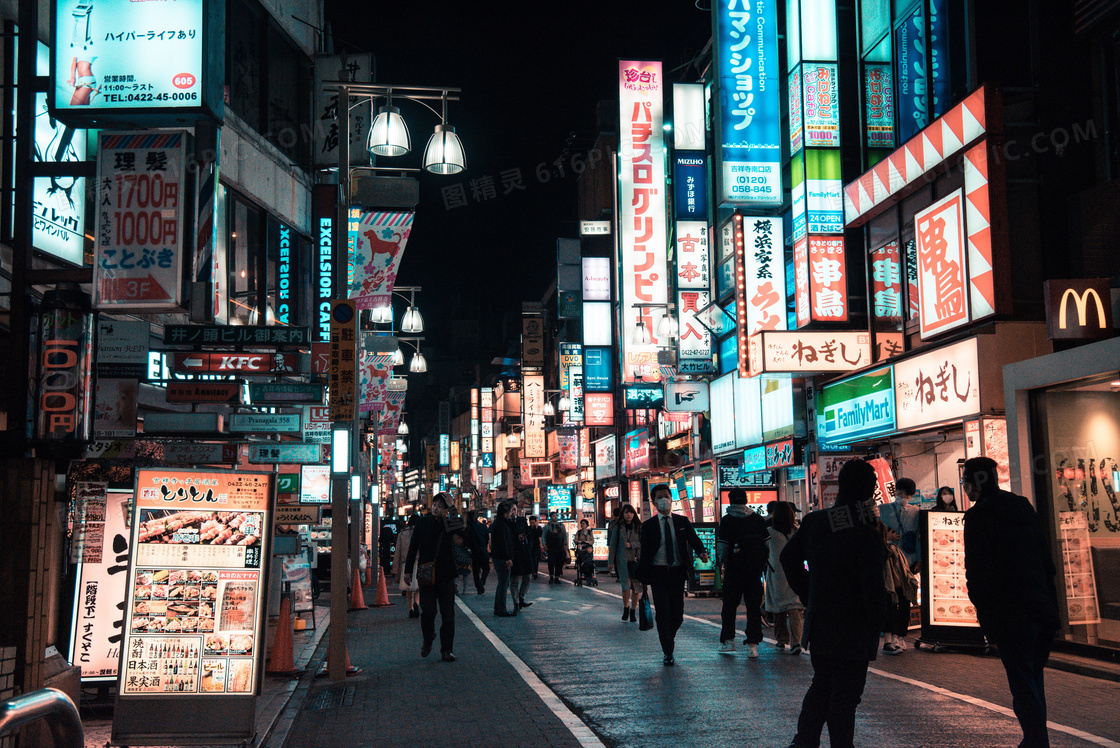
(948, 593)
(196, 599)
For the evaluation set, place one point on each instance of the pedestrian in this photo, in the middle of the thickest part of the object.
(585, 549)
(741, 552)
(781, 601)
(624, 548)
(385, 548)
(502, 550)
(902, 519)
(556, 543)
(834, 562)
(409, 590)
(479, 535)
(522, 559)
(664, 565)
(536, 533)
(902, 592)
(1010, 576)
(431, 542)
(946, 500)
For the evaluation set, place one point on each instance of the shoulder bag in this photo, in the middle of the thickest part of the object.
(426, 572)
(645, 612)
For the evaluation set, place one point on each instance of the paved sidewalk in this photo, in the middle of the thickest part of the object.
(400, 699)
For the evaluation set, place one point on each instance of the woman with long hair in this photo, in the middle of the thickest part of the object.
(946, 500)
(624, 540)
(411, 591)
(781, 600)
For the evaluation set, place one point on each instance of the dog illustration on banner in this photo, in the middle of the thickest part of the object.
(379, 239)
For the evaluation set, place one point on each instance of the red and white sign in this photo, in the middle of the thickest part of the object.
(598, 408)
(942, 385)
(765, 271)
(642, 218)
(942, 290)
(804, 352)
(222, 363)
(886, 283)
(138, 245)
(828, 281)
(533, 399)
(801, 281)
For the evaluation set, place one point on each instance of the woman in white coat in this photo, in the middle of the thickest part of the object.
(781, 600)
(411, 591)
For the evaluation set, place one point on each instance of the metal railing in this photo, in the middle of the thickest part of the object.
(47, 704)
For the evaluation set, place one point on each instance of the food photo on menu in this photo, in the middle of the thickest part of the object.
(178, 603)
(192, 527)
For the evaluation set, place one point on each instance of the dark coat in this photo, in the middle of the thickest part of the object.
(843, 589)
(425, 542)
(522, 555)
(555, 537)
(1008, 565)
(479, 536)
(502, 540)
(687, 541)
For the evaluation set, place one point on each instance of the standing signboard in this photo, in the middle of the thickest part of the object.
(101, 581)
(141, 221)
(947, 614)
(195, 616)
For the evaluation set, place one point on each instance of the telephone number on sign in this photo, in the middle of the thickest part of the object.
(142, 97)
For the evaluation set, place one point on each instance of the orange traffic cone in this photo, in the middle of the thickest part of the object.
(325, 670)
(382, 599)
(280, 662)
(357, 597)
(367, 578)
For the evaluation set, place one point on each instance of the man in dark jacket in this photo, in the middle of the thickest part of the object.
(665, 563)
(536, 535)
(1010, 577)
(502, 550)
(845, 601)
(742, 552)
(479, 536)
(385, 548)
(431, 541)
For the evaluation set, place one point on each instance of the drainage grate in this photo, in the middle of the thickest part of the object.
(331, 698)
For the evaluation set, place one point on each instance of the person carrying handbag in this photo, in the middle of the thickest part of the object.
(431, 559)
(624, 543)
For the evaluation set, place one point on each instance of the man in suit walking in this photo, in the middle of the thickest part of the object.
(666, 539)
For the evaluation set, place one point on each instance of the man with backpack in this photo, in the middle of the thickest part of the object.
(742, 552)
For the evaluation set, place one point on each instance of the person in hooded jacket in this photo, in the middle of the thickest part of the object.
(741, 553)
(781, 601)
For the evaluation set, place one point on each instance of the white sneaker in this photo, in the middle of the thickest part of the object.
(726, 647)
(752, 651)
(900, 643)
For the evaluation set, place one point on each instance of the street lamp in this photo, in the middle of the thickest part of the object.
(388, 136)
(419, 364)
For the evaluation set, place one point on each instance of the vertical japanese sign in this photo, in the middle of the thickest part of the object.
(642, 206)
(942, 292)
(353, 69)
(765, 271)
(694, 282)
(796, 116)
(141, 199)
(822, 113)
(1077, 568)
(828, 281)
(690, 178)
(377, 241)
(100, 590)
(533, 399)
(532, 341)
(196, 612)
(801, 281)
(749, 133)
(878, 102)
(886, 283)
(343, 375)
(65, 397)
(59, 223)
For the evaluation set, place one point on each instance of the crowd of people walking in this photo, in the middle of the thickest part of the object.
(836, 584)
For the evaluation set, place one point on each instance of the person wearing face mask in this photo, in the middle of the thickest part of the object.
(664, 565)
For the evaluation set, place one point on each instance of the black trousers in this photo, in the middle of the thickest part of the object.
(666, 586)
(502, 572)
(443, 595)
(481, 570)
(898, 617)
(555, 563)
(832, 699)
(1024, 650)
(746, 588)
(535, 561)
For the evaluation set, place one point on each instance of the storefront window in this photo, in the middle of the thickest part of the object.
(245, 246)
(1078, 485)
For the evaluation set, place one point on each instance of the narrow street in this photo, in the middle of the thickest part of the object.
(568, 671)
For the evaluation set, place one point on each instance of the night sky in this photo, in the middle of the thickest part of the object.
(531, 74)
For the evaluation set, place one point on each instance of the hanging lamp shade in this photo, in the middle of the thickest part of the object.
(640, 336)
(667, 327)
(398, 358)
(444, 152)
(419, 364)
(549, 409)
(402, 430)
(389, 135)
(412, 323)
